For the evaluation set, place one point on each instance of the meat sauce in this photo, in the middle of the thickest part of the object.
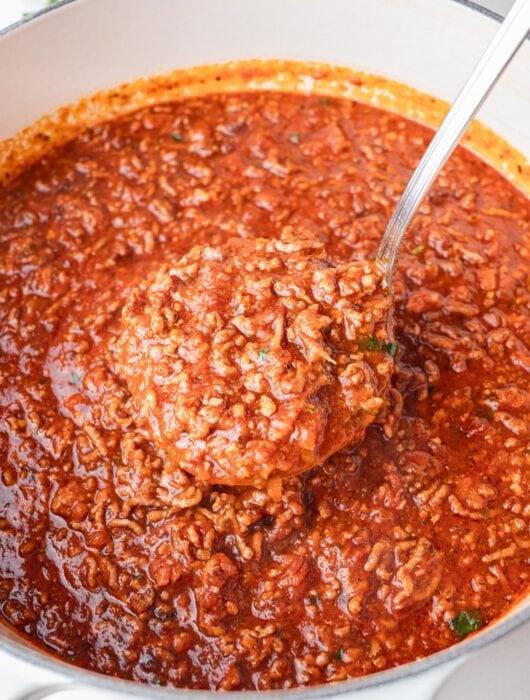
(254, 359)
(117, 559)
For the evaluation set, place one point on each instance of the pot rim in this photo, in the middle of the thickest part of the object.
(61, 3)
(28, 652)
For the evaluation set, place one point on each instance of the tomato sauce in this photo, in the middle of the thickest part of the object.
(121, 562)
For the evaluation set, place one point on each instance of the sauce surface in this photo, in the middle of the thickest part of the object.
(256, 359)
(387, 552)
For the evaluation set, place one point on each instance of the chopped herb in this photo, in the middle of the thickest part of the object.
(313, 599)
(262, 354)
(370, 343)
(418, 250)
(466, 622)
(391, 349)
(294, 138)
(338, 655)
(75, 378)
(323, 101)
(177, 137)
(53, 2)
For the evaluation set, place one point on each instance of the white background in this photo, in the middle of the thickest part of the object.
(499, 672)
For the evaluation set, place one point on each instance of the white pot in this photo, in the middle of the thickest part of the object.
(80, 47)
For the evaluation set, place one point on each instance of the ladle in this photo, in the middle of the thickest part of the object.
(488, 70)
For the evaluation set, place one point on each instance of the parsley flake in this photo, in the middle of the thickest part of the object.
(370, 343)
(391, 349)
(177, 137)
(466, 622)
(338, 655)
(75, 378)
(418, 250)
(262, 354)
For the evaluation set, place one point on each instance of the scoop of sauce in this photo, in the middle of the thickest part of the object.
(256, 359)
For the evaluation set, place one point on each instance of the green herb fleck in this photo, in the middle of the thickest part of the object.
(338, 655)
(294, 138)
(75, 378)
(391, 349)
(323, 101)
(177, 137)
(370, 343)
(466, 622)
(418, 250)
(262, 354)
(313, 599)
(53, 2)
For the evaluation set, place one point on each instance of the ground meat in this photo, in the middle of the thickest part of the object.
(115, 558)
(256, 358)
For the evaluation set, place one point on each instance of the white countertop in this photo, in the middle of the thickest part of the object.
(500, 671)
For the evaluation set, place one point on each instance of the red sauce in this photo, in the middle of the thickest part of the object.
(385, 553)
(255, 359)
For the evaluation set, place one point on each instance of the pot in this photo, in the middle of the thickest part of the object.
(76, 48)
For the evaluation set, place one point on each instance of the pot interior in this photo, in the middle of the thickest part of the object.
(424, 44)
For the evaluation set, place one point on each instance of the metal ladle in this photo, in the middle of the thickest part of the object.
(488, 70)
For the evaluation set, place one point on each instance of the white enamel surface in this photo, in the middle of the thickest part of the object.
(19, 684)
(94, 44)
(80, 48)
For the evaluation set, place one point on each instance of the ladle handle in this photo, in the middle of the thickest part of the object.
(490, 67)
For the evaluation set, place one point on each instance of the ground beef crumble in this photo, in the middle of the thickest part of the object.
(253, 359)
(117, 560)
